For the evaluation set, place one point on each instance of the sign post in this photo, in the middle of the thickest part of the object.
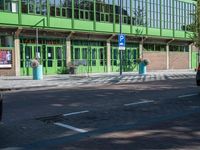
(121, 39)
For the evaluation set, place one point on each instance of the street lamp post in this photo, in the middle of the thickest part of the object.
(120, 34)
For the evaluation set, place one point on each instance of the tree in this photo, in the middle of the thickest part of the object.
(198, 24)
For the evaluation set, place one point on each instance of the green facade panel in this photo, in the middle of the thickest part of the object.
(60, 23)
(104, 27)
(154, 32)
(8, 18)
(33, 20)
(180, 34)
(125, 28)
(189, 34)
(194, 60)
(139, 30)
(83, 25)
(167, 33)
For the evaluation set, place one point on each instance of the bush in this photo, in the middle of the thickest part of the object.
(145, 61)
(34, 63)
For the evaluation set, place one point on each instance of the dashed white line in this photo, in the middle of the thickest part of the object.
(75, 113)
(70, 127)
(189, 95)
(136, 103)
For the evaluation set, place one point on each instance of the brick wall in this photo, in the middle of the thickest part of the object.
(178, 60)
(9, 71)
(158, 60)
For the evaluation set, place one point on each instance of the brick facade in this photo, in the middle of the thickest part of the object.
(158, 60)
(178, 60)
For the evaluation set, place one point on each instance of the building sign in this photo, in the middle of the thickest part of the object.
(5, 58)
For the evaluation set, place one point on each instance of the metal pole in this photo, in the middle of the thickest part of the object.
(37, 43)
(120, 34)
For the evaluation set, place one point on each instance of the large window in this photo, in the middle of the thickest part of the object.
(84, 9)
(9, 5)
(126, 11)
(139, 12)
(61, 8)
(167, 14)
(154, 47)
(34, 6)
(179, 48)
(104, 11)
(154, 13)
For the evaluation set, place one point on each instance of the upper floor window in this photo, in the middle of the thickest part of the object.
(34, 6)
(9, 5)
(62, 8)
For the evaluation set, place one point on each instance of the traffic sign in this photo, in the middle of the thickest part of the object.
(121, 41)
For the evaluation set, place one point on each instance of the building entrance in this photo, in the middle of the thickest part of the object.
(130, 56)
(52, 57)
(89, 59)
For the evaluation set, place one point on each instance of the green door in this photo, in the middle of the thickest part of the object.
(26, 55)
(130, 56)
(89, 59)
(102, 61)
(50, 67)
(115, 61)
(129, 63)
(60, 55)
(93, 59)
(53, 58)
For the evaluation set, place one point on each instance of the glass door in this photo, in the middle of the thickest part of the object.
(80, 59)
(130, 59)
(26, 55)
(115, 62)
(102, 59)
(50, 60)
(60, 59)
(93, 59)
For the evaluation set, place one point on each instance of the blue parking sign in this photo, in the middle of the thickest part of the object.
(121, 41)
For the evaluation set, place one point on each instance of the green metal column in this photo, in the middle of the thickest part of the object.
(48, 13)
(173, 14)
(131, 11)
(160, 17)
(147, 17)
(190, 56)
(94, 15)
(114, 28)
(72, 14)
(19, 12)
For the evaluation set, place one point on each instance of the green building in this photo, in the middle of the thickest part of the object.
(84, 33)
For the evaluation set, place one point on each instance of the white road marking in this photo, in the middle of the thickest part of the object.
(70, 127)
(75, 113)
(189, 95)
(136, 103)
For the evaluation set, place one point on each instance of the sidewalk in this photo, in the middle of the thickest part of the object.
(26, 82)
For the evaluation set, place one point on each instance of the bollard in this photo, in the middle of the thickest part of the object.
(142, 69)
(37, 73)
(1, 106)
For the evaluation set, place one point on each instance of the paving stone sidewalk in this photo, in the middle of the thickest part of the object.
(26, 82)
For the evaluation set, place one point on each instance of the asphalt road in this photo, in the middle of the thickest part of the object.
(146, 116)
